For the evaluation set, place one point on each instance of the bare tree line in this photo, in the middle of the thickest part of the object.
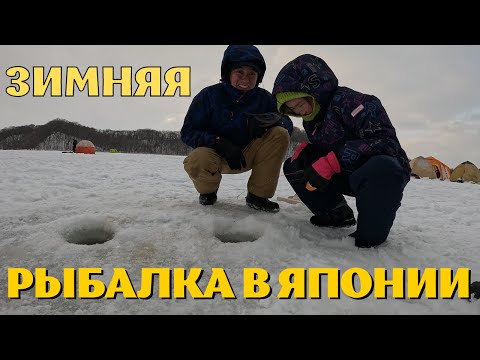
(59, 134)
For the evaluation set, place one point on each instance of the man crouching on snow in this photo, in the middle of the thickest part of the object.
(234, 127)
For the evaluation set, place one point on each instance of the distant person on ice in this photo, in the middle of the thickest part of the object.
(352, 150)
(74, 145)
(234, 127)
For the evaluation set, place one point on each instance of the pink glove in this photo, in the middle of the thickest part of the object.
(327, 166)
(324, 168)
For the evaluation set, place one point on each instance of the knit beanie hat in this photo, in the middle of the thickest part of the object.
(284, 97)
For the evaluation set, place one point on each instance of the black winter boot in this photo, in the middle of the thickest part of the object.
(340, 216)
(259, 203)
(208, 199)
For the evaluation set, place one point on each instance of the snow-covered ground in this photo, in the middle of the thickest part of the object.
(112, 218)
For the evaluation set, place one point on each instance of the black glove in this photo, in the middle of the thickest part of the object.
(231, 152)
(254, 129)
(259, 124)
(301, 158)
(312, 177)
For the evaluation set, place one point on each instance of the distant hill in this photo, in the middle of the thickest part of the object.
(59, 134)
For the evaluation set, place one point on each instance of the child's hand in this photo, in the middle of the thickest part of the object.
(313, 180)
(318, 175)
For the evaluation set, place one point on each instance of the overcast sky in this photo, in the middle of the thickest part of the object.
(431, 92)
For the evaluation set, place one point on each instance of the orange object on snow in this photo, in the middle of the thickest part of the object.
(442, 170)
(85, 147)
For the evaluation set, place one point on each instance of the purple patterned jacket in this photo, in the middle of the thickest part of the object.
(353, 125)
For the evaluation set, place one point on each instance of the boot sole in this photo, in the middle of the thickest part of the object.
(262, 209)
(336, 226)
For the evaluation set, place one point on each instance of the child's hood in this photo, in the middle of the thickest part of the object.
(307, 74)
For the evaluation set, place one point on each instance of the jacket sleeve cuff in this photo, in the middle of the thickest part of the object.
(327, 166)
(298, 150)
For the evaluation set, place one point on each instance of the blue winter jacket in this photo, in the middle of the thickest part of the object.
(222, 110)
(353, 125)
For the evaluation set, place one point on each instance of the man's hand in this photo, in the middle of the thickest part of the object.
(254, 128)
(259, 124)
(231, 152)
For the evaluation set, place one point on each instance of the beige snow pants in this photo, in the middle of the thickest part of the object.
(264, 156)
